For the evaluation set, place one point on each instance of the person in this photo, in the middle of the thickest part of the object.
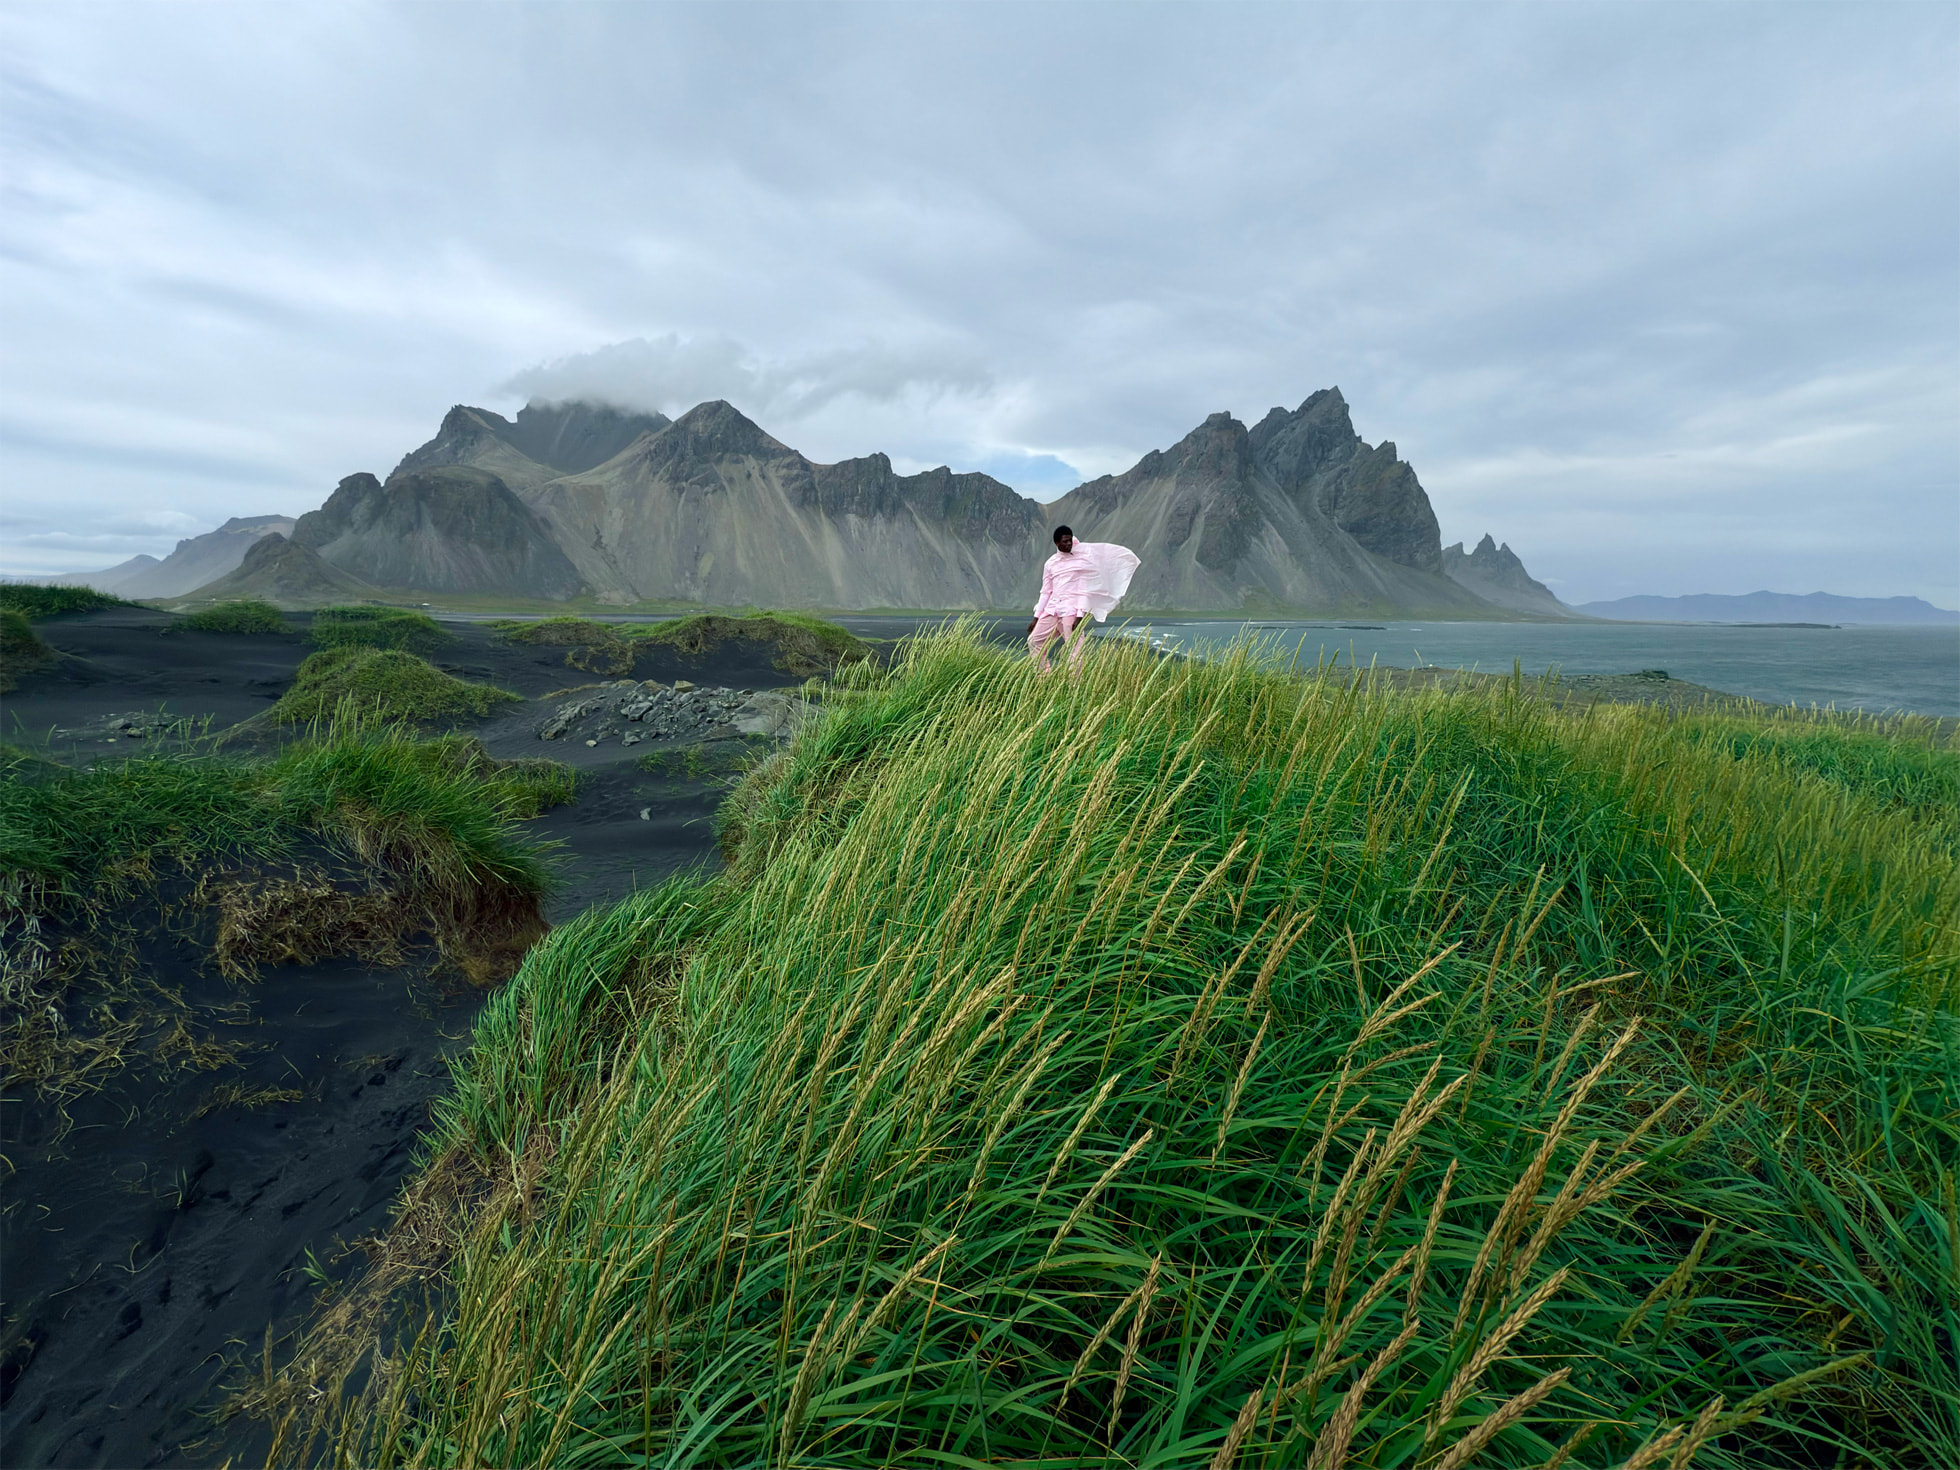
(1082, 579)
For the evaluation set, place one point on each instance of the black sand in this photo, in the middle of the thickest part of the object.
(145, 1256)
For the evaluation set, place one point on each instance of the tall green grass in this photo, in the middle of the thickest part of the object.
(1192, 1065)
(441, 809)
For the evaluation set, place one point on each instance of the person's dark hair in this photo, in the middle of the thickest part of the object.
(1061, 531)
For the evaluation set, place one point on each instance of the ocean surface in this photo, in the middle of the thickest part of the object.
(1876, 669)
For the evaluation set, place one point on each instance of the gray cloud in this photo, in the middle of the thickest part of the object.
(1663, 296)
(673, 374)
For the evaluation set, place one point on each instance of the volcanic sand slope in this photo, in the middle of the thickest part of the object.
(1192, 1064)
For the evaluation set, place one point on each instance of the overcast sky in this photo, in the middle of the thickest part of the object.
(1666, 296)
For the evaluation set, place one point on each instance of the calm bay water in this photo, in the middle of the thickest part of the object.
(1863, 668)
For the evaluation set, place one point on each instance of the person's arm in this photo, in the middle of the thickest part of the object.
(1047, 590)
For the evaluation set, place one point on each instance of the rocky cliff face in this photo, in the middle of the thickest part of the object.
(711, 509)
(1297, 513)
(1495, 574)
(449, 528)
(288, 576)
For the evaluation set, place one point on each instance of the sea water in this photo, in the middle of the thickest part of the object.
(1876, 669)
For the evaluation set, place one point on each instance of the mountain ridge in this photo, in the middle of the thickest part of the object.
(1296, 513)
(1767, 607)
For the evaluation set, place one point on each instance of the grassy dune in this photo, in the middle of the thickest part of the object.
(804, 644)
(350, 682)
(240, 615)
(1192, 1065)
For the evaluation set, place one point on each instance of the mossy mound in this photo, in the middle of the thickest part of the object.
(243, 615)
(804, 645)
(380, 685)
(377, 627)
(597, 648)
(21, 648)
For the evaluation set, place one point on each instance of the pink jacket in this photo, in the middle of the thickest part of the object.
(1090, 579)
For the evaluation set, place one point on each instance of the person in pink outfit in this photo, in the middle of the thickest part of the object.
(1083, 579)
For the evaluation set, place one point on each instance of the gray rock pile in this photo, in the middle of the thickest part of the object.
(141, 725)
(633, 710)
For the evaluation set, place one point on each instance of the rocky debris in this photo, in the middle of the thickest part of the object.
(141, 725)
(633, 710)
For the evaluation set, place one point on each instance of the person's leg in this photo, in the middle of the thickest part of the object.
(1047, 628)
(1076, 631)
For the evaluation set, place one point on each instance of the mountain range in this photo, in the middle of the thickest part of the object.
(1295, 514)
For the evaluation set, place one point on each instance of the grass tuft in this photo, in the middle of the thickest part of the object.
(22, 650)
(1192, 1064)
(36, 602)
(377, 627)
(244, 615)
(380, 686)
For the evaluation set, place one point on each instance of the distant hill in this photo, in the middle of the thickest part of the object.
(288, 576)
(106, 580)
(1769, 607)
(1495, 574)
(197, 560)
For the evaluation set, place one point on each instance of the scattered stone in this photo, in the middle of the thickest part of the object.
(111, 728)
(639, 711)
(646, 814)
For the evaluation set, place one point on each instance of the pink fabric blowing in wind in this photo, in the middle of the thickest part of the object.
(1090, 579)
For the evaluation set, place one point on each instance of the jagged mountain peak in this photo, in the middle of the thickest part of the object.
(718, 427)
(1496, 573)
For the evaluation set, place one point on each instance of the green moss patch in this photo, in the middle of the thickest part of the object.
(377, 627)
(380, 685)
